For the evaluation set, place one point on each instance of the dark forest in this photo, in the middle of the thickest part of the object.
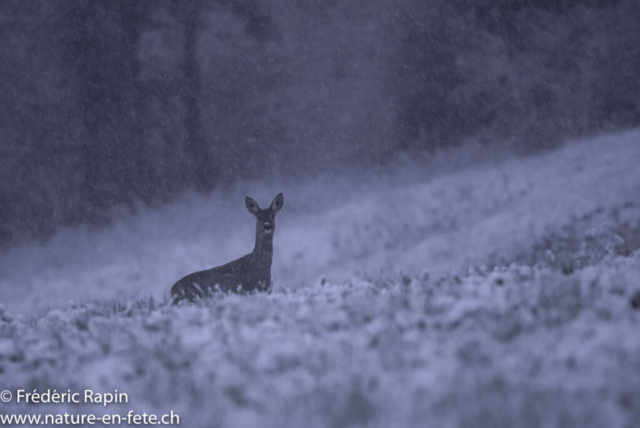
(115, 104)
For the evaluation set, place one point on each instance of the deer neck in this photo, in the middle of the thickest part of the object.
(263, 251)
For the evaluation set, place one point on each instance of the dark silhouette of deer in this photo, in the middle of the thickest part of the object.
(245, 275)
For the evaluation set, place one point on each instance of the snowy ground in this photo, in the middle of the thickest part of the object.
(416, 322)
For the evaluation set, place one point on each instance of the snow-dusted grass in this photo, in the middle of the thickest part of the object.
(521, 348)
(498, 295)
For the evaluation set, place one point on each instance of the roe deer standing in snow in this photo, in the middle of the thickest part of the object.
(245, 275)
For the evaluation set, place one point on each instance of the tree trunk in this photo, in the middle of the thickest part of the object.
(203, 172)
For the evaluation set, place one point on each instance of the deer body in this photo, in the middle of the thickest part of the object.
(244, 275)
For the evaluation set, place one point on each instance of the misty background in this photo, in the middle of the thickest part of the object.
(116, 104)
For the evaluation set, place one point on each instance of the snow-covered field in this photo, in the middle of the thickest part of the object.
(498, 295)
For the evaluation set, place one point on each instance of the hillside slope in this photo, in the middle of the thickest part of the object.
(334, 227)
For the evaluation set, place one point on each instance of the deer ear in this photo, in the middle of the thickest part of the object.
(277, 203)
(252, 206)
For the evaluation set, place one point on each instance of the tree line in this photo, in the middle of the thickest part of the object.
(109, 104)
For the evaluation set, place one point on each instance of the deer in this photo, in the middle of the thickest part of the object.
(248, 274)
